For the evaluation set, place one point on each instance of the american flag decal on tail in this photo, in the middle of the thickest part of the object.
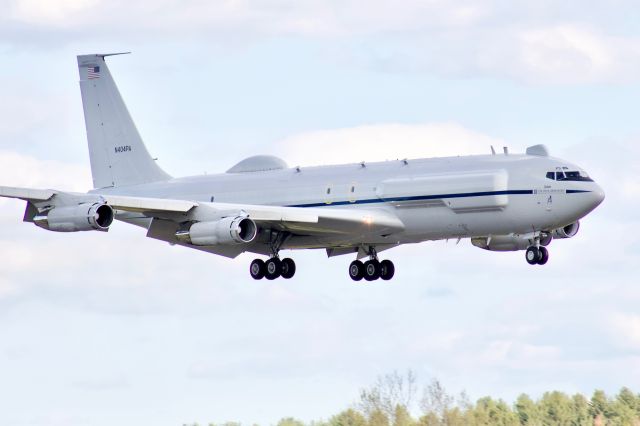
(93, 72)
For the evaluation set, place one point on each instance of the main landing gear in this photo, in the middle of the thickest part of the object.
(272, 268)
(372, 269)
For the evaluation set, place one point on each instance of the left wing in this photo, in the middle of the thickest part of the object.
(313, 220)
(168, 216)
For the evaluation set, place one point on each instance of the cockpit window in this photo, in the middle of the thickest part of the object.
(566, 175)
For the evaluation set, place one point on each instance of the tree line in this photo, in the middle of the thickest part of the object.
(394, 400)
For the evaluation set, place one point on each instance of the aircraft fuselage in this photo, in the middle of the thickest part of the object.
(435, 198)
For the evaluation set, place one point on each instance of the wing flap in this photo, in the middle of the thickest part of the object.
(143, 204)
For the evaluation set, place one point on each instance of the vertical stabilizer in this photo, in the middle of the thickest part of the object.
(118, 155)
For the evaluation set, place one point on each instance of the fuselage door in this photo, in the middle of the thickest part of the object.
(352, 193)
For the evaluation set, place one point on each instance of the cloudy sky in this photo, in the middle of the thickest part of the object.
(115, 328)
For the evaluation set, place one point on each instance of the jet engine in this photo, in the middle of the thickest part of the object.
(566, 231)
(81, 217)
(229, 230)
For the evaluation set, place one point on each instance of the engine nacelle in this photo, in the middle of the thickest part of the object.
(566, 231)
(501, 243)
(229, 230)
(81, 217)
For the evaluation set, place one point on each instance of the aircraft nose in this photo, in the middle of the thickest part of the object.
(597, 195)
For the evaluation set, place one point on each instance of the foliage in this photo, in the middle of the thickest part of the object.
(390, 402)
(348, 417)
(386, 394)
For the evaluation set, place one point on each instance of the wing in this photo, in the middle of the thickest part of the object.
(27, 194)
(303, 227)
(317, 227)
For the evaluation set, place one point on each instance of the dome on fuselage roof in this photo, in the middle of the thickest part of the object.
(259, 163)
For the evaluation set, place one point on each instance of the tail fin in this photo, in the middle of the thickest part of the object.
(118, 155)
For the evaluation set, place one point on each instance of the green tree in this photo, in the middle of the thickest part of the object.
(401, 417)
(623, 410)
(527, 411)
(455, 416)
(556, 409)
(494, 413)
(289, 421)
(430, 419)
(628, 398)
(580, 408)
(599, 404)
(348, 417)
(378, 418)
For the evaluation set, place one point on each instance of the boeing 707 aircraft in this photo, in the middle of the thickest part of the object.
(501, 202)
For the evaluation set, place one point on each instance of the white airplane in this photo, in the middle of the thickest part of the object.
(501, 202)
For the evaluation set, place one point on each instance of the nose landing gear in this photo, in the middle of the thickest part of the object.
(537, 255)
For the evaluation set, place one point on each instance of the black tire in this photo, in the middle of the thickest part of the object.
(371, 270)
(387, 269)
(532, 255)
(257, 269)
(287, 268)
(356, 270)
(544, 256)
(273, 268)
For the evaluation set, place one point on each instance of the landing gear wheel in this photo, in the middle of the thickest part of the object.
(544, 256)
(287, 268)
(387, 269)
(257, 269)
(273, 268)
(371, 270)
(356, 270)
(533, 255)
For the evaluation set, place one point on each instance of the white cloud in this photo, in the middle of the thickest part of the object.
(21, 170)
(49, 12)
(625, 329)
(569, 53)
(541, 44)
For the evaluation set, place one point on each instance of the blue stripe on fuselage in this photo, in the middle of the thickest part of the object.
(417, 198)
(428, 197)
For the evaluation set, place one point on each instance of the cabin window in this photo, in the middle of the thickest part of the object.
(353, 189)
(328, 191)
